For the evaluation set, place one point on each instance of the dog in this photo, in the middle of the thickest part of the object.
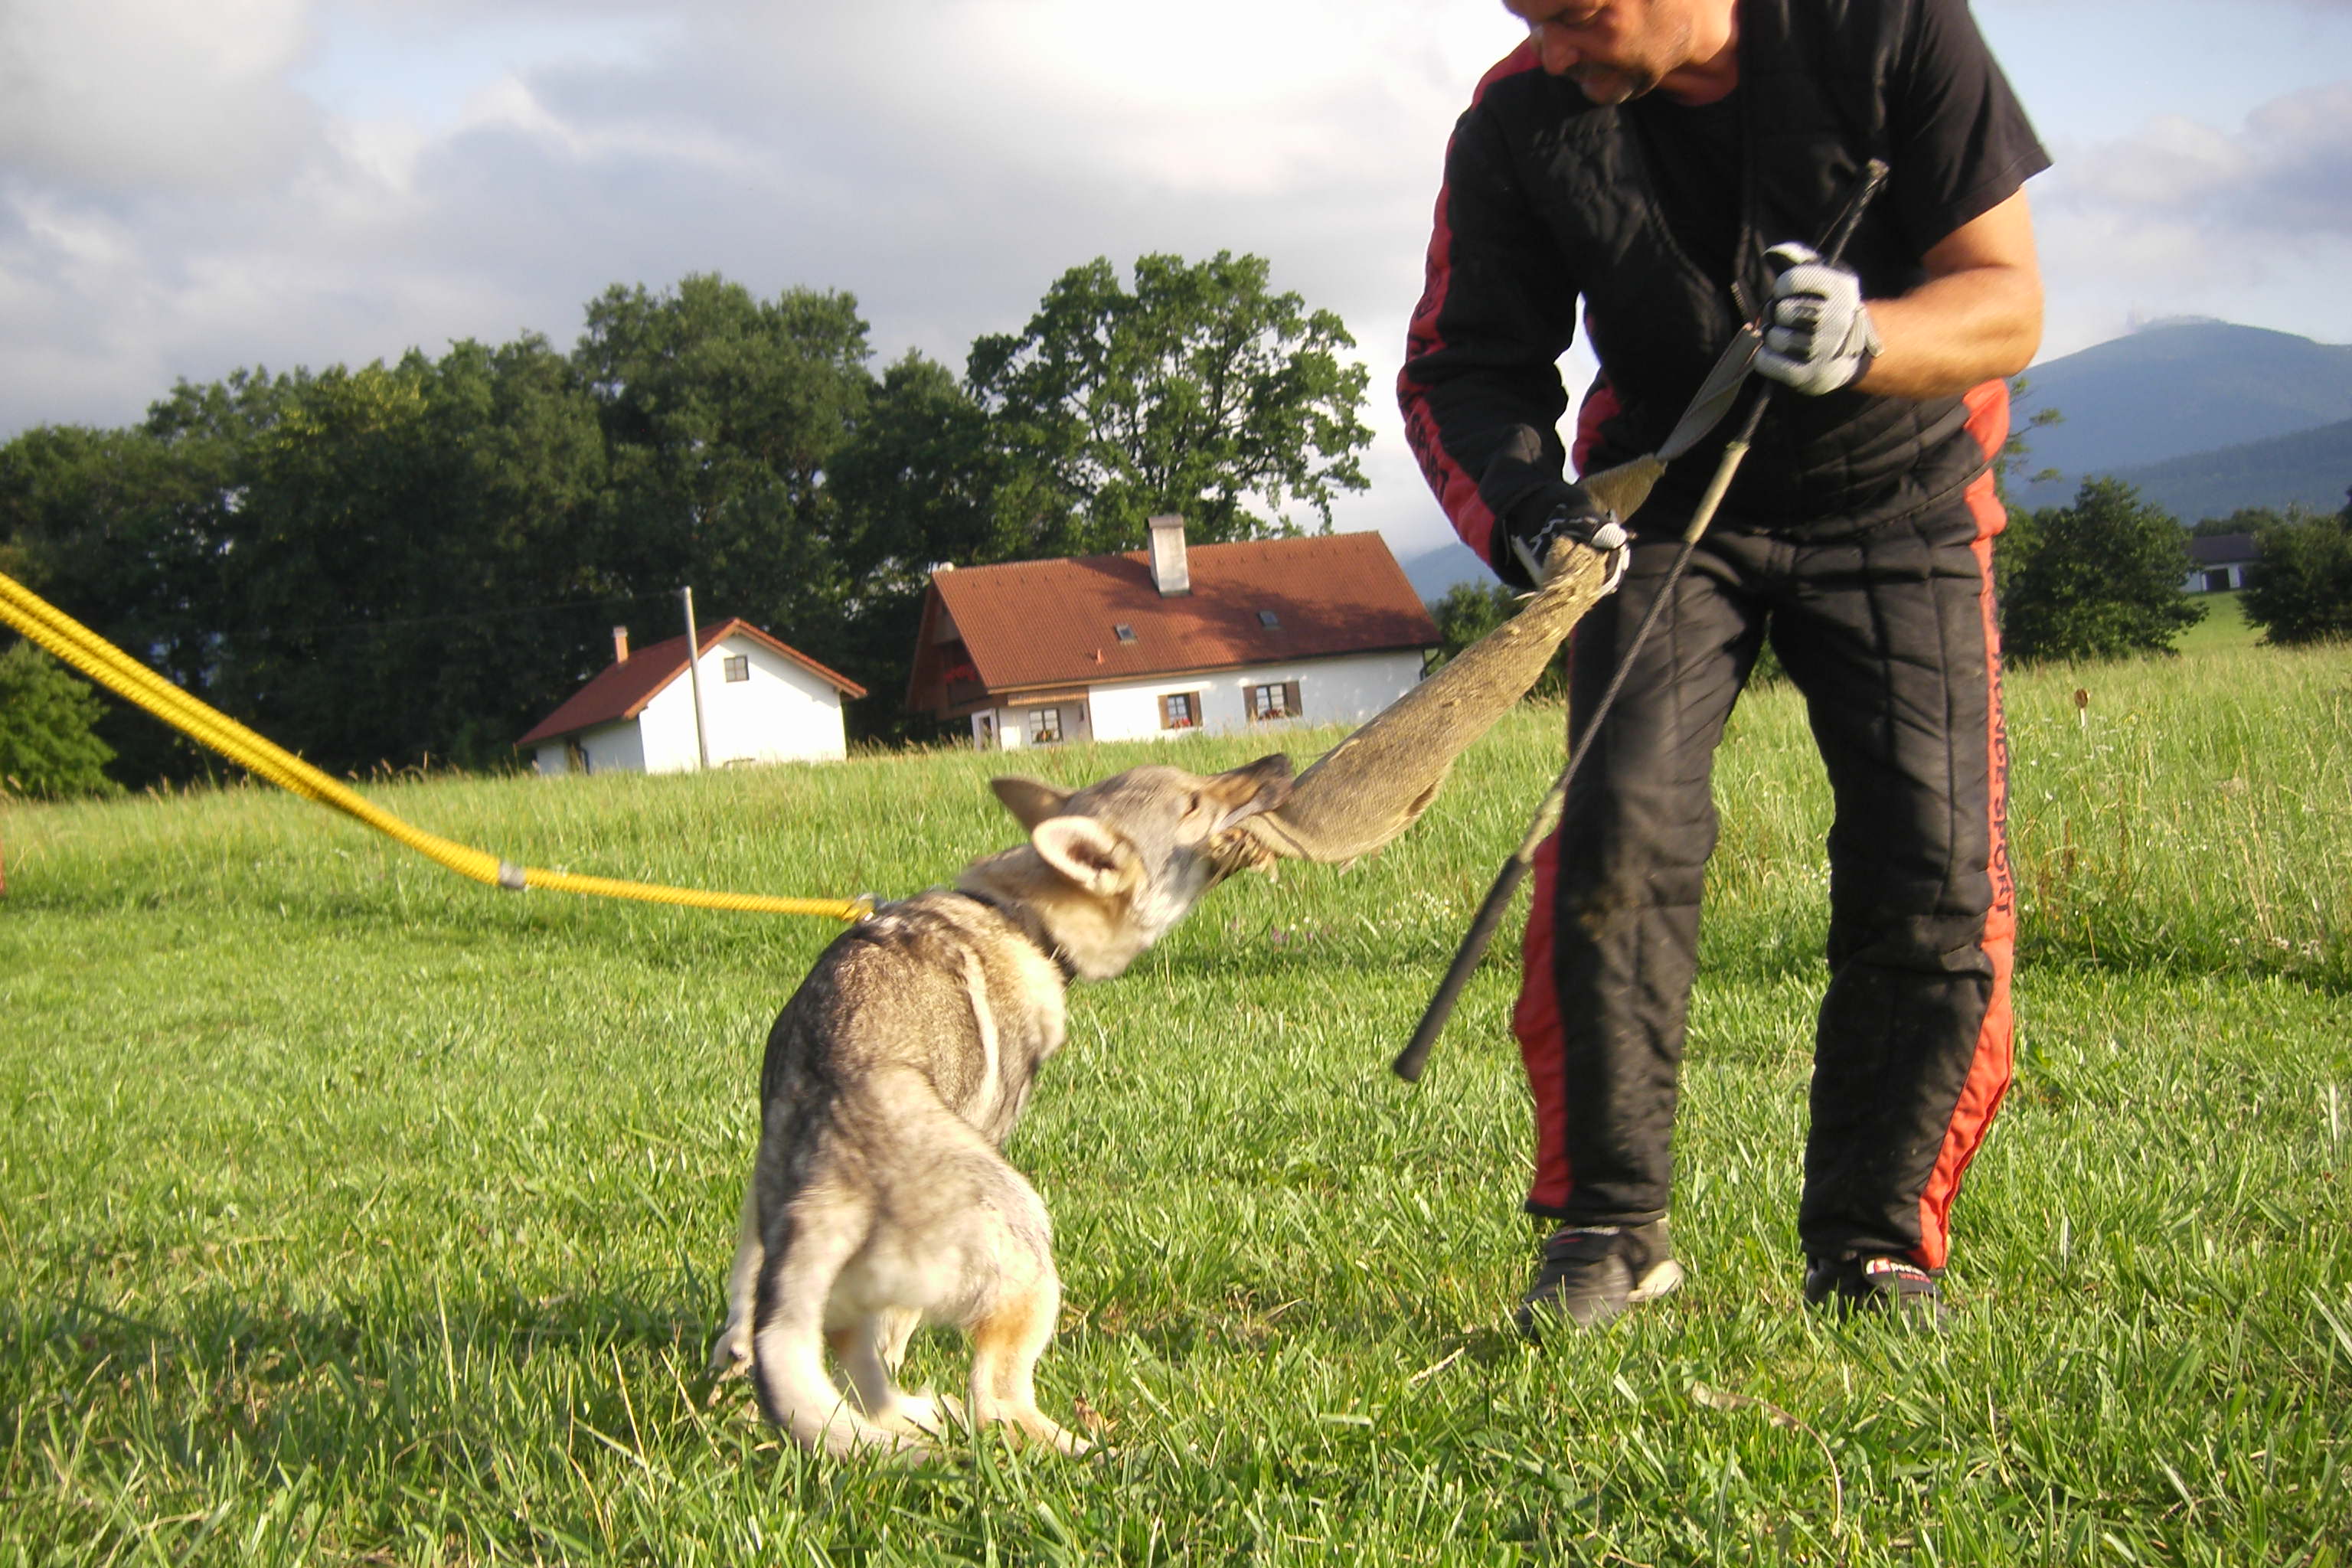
(878, 1201)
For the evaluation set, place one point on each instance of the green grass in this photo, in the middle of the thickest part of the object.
(350, 1212)
(2224, 625)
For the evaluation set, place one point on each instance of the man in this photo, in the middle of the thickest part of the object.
(1661, 161)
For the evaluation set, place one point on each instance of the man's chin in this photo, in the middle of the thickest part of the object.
(1605, 86)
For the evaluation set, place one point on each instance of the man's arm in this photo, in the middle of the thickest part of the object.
(1480, 387)
(1978, 318)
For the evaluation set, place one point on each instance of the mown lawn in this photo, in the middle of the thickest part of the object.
(353, 1213)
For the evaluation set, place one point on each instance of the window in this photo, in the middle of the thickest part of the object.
(1278, 700)
(1125, 633)
(1045, 726)
(1179, 710)
(739, 666)
(1268, 618)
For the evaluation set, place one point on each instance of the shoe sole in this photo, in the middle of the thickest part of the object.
(1665, 1277)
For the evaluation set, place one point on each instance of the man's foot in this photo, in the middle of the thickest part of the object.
(1874, 1283)
(1591, 1273)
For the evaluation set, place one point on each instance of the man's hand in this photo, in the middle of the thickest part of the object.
(1818, 335)
(1559, 513)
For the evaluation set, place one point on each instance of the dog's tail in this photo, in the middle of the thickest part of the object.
(806, 1254)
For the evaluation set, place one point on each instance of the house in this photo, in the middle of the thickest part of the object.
(1170, 639)
(761, 702)
(2223, 563)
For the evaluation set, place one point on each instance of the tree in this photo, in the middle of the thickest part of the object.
(2245, 520)
(1468, 611)
(2098, 578)
(722, 415)
(1200, 392)
(48, 748)
(2011, 460)
(2301, 585)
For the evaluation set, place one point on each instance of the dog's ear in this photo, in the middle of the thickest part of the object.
(1097, 858)
(1245, 791)
(1031, 801)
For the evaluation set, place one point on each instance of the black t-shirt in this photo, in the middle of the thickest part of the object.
(1962, 141)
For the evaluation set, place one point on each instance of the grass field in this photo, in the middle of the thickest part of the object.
(350, 1212)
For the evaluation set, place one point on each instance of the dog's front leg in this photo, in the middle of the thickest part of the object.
(730, 1353)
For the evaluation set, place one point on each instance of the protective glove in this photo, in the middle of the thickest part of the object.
(1818, 335)
(1560, 512)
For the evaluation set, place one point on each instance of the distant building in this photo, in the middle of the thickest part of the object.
(761, 702)
(2223, 561)
(1170, 640)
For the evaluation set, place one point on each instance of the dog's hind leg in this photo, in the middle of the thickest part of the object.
(1011, 1330)
(788, 1346)
(870, 1352)
(730, 1352)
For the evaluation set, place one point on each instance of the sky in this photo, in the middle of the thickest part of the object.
(190, 186)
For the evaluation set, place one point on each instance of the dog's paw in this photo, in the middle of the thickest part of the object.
(913, 1415)
(728, 1360)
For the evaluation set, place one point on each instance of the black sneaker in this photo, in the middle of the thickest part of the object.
(1876, 1282)
(1591, 1273)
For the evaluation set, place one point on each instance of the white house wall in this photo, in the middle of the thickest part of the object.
(781, 714)
(607, 748)
(1331, 691)
(1007, 729)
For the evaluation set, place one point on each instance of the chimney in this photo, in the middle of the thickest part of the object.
(620, 644)
(1170, 574)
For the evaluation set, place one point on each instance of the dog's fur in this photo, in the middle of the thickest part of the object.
(878, 1201)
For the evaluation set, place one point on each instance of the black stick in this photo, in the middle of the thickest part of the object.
(1410, 1060)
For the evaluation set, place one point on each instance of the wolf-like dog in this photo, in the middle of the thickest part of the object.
(878, 1201)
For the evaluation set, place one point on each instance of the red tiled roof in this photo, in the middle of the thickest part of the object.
(2222, 548)
(1029, 624)
(621, 690)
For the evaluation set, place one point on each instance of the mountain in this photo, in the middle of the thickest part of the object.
(2177, 391)
(1433, 572)
(2311, 467)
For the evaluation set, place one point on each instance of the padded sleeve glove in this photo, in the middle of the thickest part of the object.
(1559, 512)
(1818, 335)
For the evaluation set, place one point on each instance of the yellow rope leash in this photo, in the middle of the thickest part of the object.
(134, 682)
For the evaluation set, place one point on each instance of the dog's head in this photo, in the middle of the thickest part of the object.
(1128, 857)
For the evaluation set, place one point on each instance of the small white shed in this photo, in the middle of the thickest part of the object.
(761, 702)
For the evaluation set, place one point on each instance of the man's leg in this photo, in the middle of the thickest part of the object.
(1892, 640)
(1613, 936)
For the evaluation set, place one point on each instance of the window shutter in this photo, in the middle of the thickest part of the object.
(1290, 698)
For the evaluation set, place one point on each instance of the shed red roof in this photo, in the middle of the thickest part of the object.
(622, 689)
(1031, 624)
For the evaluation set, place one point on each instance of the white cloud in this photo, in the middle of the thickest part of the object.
(111, 94)
(2252, 223)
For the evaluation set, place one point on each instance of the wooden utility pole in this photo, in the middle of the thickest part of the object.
(694, 675)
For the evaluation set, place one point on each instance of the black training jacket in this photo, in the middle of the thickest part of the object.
(1550, 200)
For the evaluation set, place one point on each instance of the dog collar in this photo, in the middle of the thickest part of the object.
(1026, 923)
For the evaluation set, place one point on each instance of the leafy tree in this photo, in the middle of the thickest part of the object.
(2245, 520)
(1468, 611)
(2098, 578)
(918, 484)
(722, 415)
(48, 748)
(2012, 458)
(1200, 392)
(2302, 587)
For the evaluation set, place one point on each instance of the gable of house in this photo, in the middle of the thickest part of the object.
(624, 689)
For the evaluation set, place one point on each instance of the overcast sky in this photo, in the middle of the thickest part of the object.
(191, 186)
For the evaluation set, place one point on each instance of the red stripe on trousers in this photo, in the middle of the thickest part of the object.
(1992, 1067)
(1535, 1019)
